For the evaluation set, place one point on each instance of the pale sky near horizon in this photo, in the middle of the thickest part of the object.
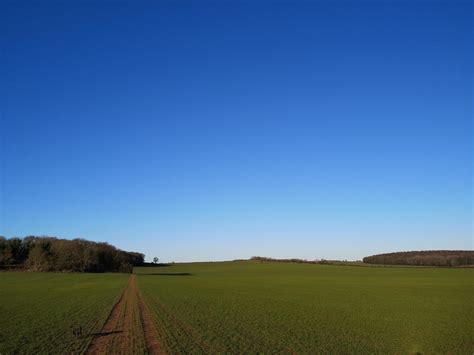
(226, 129)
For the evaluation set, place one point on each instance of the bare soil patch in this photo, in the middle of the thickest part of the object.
(128, 329)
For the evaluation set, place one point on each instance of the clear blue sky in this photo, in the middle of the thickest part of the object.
(226, 129)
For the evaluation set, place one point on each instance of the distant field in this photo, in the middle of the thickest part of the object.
(38, 311)
(275, 307)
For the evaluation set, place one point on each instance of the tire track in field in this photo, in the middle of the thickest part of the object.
(151, 338)
(101, 341)
(128, 328)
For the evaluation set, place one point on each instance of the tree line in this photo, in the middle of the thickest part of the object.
(54, 254)
(424, 258)
(298, 261)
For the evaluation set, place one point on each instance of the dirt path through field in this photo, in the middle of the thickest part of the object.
(128, 329)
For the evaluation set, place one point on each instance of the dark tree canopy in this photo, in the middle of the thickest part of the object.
(424, 258)
(53, 254)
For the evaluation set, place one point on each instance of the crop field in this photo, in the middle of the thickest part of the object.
(39, 311)
(249, 307)
(240, 307)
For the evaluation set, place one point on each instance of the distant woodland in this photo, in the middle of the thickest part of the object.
(424, 258)
(416, 258)
(53, 254)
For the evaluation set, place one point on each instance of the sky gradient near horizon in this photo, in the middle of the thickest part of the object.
(221, 130)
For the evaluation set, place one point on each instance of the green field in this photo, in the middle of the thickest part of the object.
(38, 311)
(242, 307)
(273, 307)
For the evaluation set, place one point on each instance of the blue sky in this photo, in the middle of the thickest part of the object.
(226, 129)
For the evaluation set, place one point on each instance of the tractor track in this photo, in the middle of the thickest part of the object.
(128, 329)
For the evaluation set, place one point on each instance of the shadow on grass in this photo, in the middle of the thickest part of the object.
(167, 274)
(153, 265)
(101, 334)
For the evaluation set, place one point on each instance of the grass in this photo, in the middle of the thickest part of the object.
(276, 307)
(247, 307)
(38, 311)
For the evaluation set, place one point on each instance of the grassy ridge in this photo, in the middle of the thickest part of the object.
(257, 307)
(39, 310)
